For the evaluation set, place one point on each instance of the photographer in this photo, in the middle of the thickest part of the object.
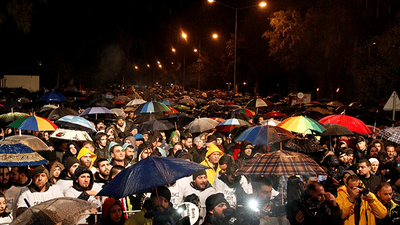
(359, 207)
(314, 207)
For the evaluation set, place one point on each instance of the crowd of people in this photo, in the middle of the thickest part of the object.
(361, 185)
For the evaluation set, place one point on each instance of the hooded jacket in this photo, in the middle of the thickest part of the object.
(212, 172)
(85, 151)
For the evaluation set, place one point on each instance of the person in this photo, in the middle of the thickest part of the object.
(130, 154)
(139, 218)
(374, 166)
(112, 213)
(70, 151)
(373, 152)
(20, 178)
(358, 208)
(39, 191)
(385, 193)
(139, 139)
(123, 126)
(342, 190)
(361, 147)
(389, 160)
(145, 150)
(117, 154)
(101, 145)
(103, 168)
(89, 145)
(187, 141)
(177, 147)
(369, 180)
(314, 207)
(67, 174)
(115, 170)
(211, 160)
(224, 162)
(87, 158)
(246, 152)
(5, 217)
(55, 171)
(174, 138)
(4, 178)
(216, 204)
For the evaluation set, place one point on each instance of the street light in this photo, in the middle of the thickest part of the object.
(262, 4)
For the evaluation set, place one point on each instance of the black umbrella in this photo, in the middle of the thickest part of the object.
(237, 116)
(156, 125)
(145, 117)
(180, 119)
(101, 102)
(301, 145)
(336, 130)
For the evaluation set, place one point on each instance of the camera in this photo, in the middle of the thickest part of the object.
(363, 190)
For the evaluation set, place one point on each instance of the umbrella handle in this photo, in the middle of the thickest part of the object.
(27, 203)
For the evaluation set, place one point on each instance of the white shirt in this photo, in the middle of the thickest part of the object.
(36, 198)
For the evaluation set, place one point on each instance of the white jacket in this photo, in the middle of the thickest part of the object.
(35, 198)
(229, 193)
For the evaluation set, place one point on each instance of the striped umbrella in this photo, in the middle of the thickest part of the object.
(247, 112)
(265, 135)
(281, 163)
(301, 124)
(33, 123)
(13, 153)
(152, 107)
(391, 134)
(230, 124)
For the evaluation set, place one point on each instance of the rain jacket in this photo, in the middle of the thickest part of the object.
(393, 216)
(211, 173)
(368, 211)
(85, 151)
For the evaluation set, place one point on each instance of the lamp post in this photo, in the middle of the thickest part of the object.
(214, 36)
(262, 4)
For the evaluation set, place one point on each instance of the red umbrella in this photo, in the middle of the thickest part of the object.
(276, 114)
(352, 123)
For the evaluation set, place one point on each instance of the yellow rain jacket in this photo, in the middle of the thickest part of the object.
(85, 151)
(211, 173)
(368, 211)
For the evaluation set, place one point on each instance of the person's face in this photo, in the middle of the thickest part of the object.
(261, 119)
(175, 139)
(317, 196)
(138, 142)
(84, 180)
(177, 148)
(110, 132)
(264, 193)
(73, 168)
(134, 131)
(104, 168)
(115, 213)
(129, 151)
(214, 158)
(146, 153)
(363, 169)
(103, 141)
(361, 145)
(100, 126)
(188, 143)
(390, 152)
(350, 158)
(120, 122)
(378, 146)
(86, 160)
(146, 137)
(15, 175)
(223, 168)
(72, 149)
(160, 203)
(385, 195)
(56, 172)
(4, 175)
(343, 158)
(345, 176)
(373, 152)
(218, 211)
(248, 151)
(219, 141)
(40, 180)
(90, 147)
(199, 143)
(46, 136)
(2, 204)
(118, 153)
(200, 182)
(374, 166)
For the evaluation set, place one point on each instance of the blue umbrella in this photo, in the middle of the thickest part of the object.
(147, 174)
(53, 97)
(16, 154)
(152, 107)
(76, 122)
(265, 135)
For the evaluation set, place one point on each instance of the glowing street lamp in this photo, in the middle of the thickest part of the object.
(173, 50)
(215, 36)
(136, 67)
(148, 65)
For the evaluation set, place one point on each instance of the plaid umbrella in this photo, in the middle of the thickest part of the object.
(281, 163)
(230, 124)
(152, 107)
(301, 124)
(391, 134)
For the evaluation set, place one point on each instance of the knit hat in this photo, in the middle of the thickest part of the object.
(198, 173)
(350, 151)
(245, 145)
(127, 145)
(40, 169)
(138, 137)
(54, 166)
(214, 200)
(372, 160)
(358, 140)
(120, 118)
(161, 191)
(70, 162)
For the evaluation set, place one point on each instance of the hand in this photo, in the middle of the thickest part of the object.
(299, 217)
(369, 198)
(353, 193)
(330, 199)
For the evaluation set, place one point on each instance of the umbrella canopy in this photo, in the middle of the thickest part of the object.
(336, 130)
(179, 119)
(102, 102)
(166, 102)
(157, 125)
(72, 135)
(136, 101)
(230, 124)
(352, 123)
(281, 163)
(63, 210)
(246, 112)
(152, 107)
(33, 123)
(123, 98)
(95, 111)
(256, 103)
(237, 116)
(201, 125)
(265, 135)
(76, 122)
(118, 112)
(301, 124)
(276, 114)
(13, 153)
(11, 117)
(144, 117)
(187, 101)
(53, 97)
(147, 174)
(391, 134)
(60, 112)
(32, 142)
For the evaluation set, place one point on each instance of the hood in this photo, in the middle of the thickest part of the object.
(213, 148)
(85, 151)
(79, 171)
(68, 150)
(173, 134)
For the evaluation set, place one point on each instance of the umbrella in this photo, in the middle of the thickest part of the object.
(32, 142)
(318, 109)
(179, 119)
(144, 117)
(166, 102)
(352, 123)
(11, 117)
(246, 112)
(101, 102)
(301, 124)
(157, 125)
(229, 124)
(276, 114)
(265, 135)
(256, 103)
(123, 98)
(301, 145)
(95, 111)
(118, 112)
(147, 174)
(76, 122)
(335, 104)
(391, 134)
(13, 153)
(60, 112)
(336, 130)
(72, 135)
(62, 210)
(181, 107)
(152, 107)
(53, 97)
(228, 108)
(281, 163)
(201, 125)
(33, 123)
(172, 111)
(136, 101)
(237, 116)
(187, 101)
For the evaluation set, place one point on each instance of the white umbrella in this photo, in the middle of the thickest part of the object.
(72, 135)
(136, 101)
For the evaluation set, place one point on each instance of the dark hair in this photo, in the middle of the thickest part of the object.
(116, 169)
(98, 136)
(226, 159)
(185, 136)
(353, 178)
(382, 185)
(113, 147)
(366, 161)
(23, 170)
(98, 161)
(260, 181)
(311, 187)
(232, 168)
(90, 143)
(153, 138)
